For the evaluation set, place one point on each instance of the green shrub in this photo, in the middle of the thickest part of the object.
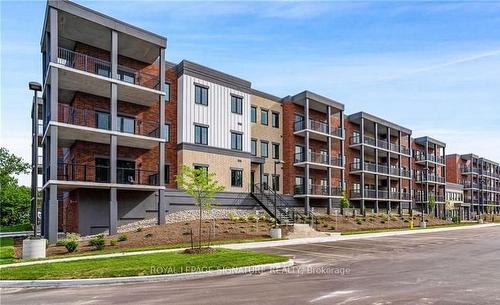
(252, 218)
(113, 242)
(69, 237)
(61, 242)
(97, 242)
(122, 237)
(71, 246)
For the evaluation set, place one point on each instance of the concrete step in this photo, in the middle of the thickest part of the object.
(304, 230)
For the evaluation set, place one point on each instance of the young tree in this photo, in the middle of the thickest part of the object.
(202, 186)
(344, 202)
(448, 206)
(432, 203)
(14, 199)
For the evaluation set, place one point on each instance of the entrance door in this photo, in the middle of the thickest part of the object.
(252, 181)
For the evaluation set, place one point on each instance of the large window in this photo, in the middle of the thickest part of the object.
(126, 124)
(101, 170)
(167, 92)
(299, 153)
(236, 104)
(103, 120)
(265, 181)
(253, 148)
(201, 95)
(264, 117)
(276, 151)
(253, 114)
(126, 172)
(236, 141)
(264, 145)
(237, 177)
(201, 134)
(275, 119)
(128, 77)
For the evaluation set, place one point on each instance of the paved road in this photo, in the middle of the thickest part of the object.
(455, 267)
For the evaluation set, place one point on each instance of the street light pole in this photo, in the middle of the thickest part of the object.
(35, 87)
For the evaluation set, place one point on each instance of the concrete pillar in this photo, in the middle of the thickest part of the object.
(52, 213)
(113, 211)
(54, 35)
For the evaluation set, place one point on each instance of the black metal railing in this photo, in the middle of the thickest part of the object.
(102, 174)
(275, 205)
(318, 158)
(102, 120)
(319, 127)
(101, 67)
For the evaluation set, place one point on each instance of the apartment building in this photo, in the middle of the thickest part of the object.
(380, 164)
(429, 167)
(455, 196)
(313, 150)
(117, 121)
(480, 178)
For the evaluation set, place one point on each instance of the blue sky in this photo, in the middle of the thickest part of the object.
(433, 67)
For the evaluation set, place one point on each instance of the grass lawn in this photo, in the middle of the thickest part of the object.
(15, 228)
(6, 250)
(405, 229)
(146, 264)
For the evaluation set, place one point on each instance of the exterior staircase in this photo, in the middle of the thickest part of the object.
(276, 206)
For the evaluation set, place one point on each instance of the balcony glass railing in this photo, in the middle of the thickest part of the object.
(101, 174)
(319, 127)
(102, 120)
(101, 67)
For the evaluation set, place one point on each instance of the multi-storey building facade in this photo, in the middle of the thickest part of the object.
(116, 123)
(379, 160)
(429, 167)
(455, 196)
(313, 153)
(480, 178)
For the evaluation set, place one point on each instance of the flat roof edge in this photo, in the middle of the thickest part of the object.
(374, 118)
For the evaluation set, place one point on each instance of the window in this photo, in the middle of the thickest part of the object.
(324, 156)
(125, 172)
(236, 141)
(276, 183)
(200, 134)
(128, 77)
(167, 132)
(103, 120)
(264, 149)
(103, 70)
(265, 181)
(276, 151)
(204, 168)
(126, 124)
(167, 92)
(299, 153)
(201, 95)
(299, 122)
(264, 117)
(299, 185)
(253, 148)
(237, 177)
(236, 104)
(253, 114)
(167, 174)
(275, 119)
(101, 170)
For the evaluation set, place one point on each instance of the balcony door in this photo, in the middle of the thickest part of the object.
(126, 172)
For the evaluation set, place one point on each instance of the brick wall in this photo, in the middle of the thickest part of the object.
(171, 118)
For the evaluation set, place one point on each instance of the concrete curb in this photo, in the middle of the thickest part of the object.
(145, 279)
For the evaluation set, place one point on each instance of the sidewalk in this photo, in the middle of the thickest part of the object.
(262, 244)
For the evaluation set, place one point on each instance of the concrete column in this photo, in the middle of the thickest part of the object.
(52, 211)
(162, 203)
(114, 54)
(113, 211)
(54, 35)
(306, 182)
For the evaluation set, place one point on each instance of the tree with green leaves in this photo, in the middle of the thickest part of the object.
(344, 202)
(202, 186)
(15, 199)
(431, 204)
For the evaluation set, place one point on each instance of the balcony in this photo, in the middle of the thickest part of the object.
(317, 190)
(470, 185)
(356, 140)
(101, 174)
(423, 198)
(317, 160)
(469, 169)
(422, 178)
(318, 129)
(97, 128)
(471, 200)
(381, 169)
(383, 195)
(436, 159)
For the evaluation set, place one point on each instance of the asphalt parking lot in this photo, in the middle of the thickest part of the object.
(454, 267)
